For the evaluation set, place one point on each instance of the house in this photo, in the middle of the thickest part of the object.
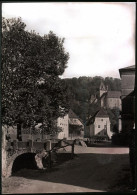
(113, 99)
(98, 125)
(71, 126)
(107, 99)
(76, 127)
(127, 119)
(63, 123)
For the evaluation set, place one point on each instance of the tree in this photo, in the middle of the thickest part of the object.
(31, 65)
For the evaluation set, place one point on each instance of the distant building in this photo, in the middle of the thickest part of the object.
(71, 125)
(111, 99)
(98, 125)
(127, 75)
(107, 99)
(63, 123)
(76, 127)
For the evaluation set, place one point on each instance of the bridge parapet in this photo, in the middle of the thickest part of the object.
(15, 148)
(41, 149)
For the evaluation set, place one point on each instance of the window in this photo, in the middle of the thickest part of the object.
(98, 126)
(101, 119)
(105, 126)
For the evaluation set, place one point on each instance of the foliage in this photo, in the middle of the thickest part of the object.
(81, 89)
(31, 65)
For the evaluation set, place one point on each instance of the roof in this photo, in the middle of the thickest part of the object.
(128, 68)
(74, 122)
(102, 85)
(100, 113)
(113, 94)
(72, 114)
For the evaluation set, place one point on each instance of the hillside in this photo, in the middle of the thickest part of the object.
(81, 89)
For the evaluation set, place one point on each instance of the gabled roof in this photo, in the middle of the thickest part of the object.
(102, 85)
(72, 114)
(74, 122)
(100, 113)
(113, 94)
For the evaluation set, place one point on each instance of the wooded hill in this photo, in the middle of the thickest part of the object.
(80, 91)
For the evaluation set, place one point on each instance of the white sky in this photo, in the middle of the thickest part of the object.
(100, 37)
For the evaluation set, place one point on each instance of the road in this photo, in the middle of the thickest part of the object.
(92, 170)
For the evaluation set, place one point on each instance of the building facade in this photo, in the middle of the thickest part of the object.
(127, 75)
(107, 99)
(99, 125)
(63, 123)
(113, 99)
(76, 127)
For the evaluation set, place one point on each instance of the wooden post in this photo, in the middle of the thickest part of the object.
(72, 153)
(48, 145)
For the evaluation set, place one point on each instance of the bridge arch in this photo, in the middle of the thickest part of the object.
(18, 161)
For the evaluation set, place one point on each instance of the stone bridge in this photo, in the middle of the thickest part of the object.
(16, 148)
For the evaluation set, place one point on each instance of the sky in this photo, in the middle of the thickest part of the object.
(99, 37)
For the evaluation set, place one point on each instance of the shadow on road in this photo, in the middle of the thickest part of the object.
(92, 171)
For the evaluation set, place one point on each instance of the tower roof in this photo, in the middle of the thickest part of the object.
(102, 86)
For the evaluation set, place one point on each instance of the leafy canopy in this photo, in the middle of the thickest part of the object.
(31, 65)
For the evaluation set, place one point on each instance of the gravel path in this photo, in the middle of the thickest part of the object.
(93, 170)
